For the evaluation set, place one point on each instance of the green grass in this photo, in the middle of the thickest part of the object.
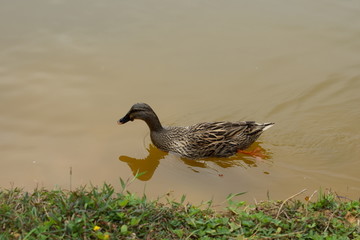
(102, 213)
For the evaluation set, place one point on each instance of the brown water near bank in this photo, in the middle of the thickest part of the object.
(69, 70)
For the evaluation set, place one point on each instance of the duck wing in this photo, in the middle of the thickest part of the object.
(215, 139)
(223, 139)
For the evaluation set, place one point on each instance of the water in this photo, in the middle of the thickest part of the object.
(70, 70)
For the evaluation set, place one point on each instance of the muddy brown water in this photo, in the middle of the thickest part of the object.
(70, 69)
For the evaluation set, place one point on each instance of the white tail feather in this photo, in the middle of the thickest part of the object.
(267, 126)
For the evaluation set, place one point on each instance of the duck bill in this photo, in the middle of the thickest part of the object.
(124, 119)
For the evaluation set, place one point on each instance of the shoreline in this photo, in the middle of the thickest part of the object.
(103, 213)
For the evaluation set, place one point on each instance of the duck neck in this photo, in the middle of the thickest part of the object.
(154, 123)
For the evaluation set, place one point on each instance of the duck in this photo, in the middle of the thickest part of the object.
(218, 139)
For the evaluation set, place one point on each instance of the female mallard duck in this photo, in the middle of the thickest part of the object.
(214, 139)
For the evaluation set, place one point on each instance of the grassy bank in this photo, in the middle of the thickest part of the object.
(101, 213)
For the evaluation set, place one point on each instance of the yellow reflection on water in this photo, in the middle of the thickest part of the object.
(146, 167)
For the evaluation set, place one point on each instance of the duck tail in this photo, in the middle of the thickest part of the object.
(266, 126)
(258, 128)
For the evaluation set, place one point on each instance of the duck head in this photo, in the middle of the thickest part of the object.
(143, 112)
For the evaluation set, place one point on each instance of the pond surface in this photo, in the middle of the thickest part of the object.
(70, 69)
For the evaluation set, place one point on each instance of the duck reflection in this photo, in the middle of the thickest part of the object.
(148, 165)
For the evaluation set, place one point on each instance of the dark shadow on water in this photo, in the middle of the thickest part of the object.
(148, 165)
